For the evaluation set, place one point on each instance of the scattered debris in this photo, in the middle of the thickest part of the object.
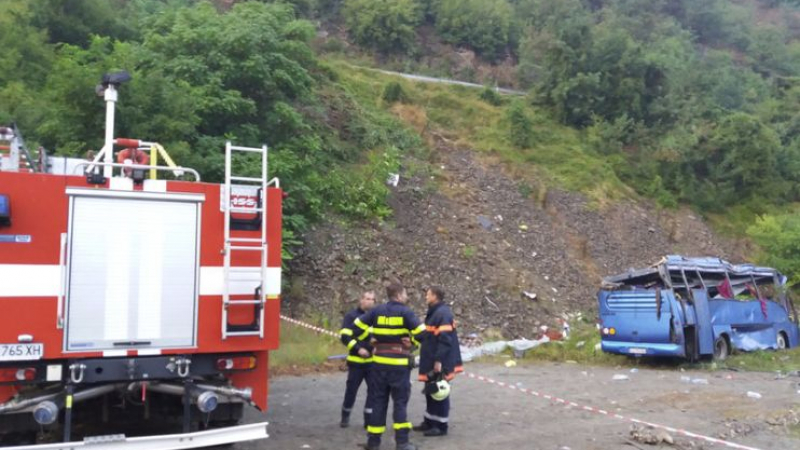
(492, 303)
(530, 295)
(634, 370)
(393, 180)
(699, 381)
(650, 436)
(753, 394)
(486, 223)
(620, 377)
(511, 363)
(736, 429)
(580, 344)
(523, 227)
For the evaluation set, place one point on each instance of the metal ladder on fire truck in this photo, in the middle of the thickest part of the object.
(14, 157)
(234, 244)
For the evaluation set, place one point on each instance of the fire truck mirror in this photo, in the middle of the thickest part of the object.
(5, 211)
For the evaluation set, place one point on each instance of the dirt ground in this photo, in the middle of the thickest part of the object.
(304, 410)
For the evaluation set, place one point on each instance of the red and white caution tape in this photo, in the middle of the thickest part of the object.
(564, 402)
(570, 404)
(309, 326)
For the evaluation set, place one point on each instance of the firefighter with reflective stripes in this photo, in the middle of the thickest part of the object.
(393, 327)
(439, 359)
(359, 359)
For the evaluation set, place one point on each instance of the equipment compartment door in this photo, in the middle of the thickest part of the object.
(133, 271)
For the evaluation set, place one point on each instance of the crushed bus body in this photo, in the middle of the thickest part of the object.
(695, 307)
(127, 296)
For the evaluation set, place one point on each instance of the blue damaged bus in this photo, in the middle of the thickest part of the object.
(696, 307)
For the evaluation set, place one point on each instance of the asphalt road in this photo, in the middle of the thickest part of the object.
(304, 411)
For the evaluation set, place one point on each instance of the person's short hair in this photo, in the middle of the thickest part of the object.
(438, 292)
(393, 290)
(364, 294)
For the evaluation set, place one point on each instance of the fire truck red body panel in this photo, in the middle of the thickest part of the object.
(40, 212)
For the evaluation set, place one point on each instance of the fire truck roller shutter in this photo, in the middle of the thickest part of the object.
(132, 270)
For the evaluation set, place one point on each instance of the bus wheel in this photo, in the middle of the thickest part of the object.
(721, 349)
(782, 341)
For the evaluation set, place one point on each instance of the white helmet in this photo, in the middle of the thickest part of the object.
(441, 390)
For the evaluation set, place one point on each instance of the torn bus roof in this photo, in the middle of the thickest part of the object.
(660, 273)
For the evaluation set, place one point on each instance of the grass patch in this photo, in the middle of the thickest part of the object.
(579, 348)
(303, 347)
(556, 153)
(764, 361)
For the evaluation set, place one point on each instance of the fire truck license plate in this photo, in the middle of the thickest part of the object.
(21, 352)
(638, 351)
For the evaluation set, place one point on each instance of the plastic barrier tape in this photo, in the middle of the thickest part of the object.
(566, 403)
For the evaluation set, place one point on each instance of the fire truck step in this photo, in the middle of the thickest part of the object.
(248, 179)
(243, 333)
(248, 149)
(243, 302)
(246, 240)
(247, 210)
(245, 247)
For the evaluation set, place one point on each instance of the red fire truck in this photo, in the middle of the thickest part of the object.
(125, 297)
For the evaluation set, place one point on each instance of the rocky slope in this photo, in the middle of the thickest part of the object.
(510, 259)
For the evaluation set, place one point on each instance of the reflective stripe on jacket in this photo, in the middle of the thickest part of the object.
(349, 339)
(388, 324)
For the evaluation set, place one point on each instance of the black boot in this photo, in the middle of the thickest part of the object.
(345, 420)
(424, 426)
(435, 432)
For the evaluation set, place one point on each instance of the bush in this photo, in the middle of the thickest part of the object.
(393, 93)
(521, 126)
(386, 25)
(491, 96)
(484, 25)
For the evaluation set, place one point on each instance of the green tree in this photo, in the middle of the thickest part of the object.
(386, 25)
(740, 158)
(484, 25)
(779, 239)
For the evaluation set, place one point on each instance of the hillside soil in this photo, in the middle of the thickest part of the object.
(510, 257)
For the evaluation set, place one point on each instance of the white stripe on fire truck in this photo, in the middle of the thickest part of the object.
(29, 280)
(44, 280)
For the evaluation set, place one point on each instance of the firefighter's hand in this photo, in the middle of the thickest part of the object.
(406, 342)
(364, 353)
(437, 367)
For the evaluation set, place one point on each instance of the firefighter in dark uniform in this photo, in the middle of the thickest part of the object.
(394, 328)
(359, 359)
(440, 358)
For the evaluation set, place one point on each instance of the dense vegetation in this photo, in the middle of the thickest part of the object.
(684, 101)
(690, 101)
(201, 75)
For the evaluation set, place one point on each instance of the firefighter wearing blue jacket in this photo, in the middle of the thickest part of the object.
(359, 359)
(393, 327)
(440, 357)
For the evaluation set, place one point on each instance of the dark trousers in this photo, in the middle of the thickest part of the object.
(356, 374)
(391, 383)
(437, 414)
